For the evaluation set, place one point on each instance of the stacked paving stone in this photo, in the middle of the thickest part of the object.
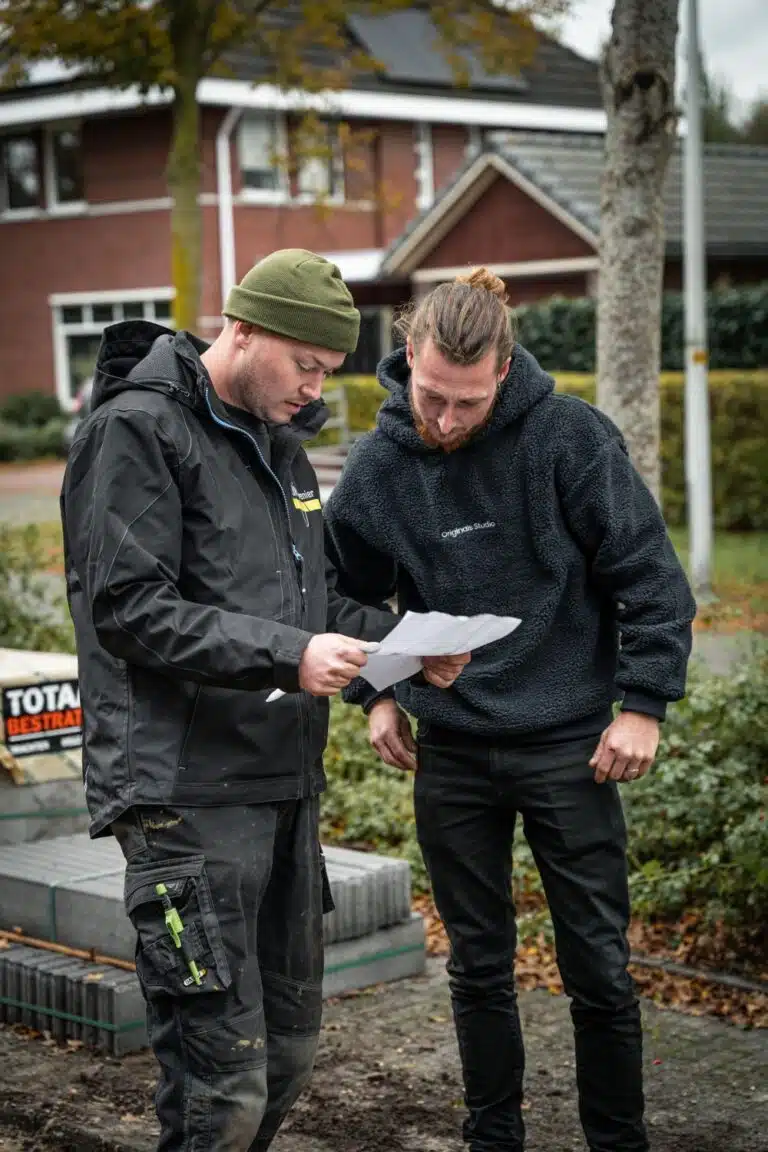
(69, 890)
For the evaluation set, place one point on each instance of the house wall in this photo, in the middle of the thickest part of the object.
(122, 240)
(505, 225)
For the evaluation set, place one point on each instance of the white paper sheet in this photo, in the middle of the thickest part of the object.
(419, 634)
(431, 634)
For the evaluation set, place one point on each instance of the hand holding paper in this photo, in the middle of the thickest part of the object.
(417, 635)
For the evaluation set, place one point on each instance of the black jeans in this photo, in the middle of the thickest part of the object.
(467, 795)
(236, 1049)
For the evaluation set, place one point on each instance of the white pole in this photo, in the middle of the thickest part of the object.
(698, 468)
(227, 262)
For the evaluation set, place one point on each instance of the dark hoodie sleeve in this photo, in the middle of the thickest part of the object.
(359, 570)
(123, 525)
(619, 527)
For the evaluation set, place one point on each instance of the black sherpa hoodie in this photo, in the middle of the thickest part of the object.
(541, 516)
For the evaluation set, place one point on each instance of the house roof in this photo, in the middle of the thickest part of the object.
(563, 173)
(558, 89)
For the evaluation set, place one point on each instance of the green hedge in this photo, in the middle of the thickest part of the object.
(32, 442)
(30, 409)
(562, 332)
(739, 413)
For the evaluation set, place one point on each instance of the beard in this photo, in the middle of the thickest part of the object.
(454, 442)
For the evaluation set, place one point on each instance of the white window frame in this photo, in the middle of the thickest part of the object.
(336, 161)
(52, 203)
(89, 327)
(6, 212)
(280, 194)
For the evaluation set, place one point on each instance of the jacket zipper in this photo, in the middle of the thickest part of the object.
(298, 559)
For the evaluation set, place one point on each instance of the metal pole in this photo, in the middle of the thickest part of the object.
(698, 468)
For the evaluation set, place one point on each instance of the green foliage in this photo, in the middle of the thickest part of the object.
(698, 830)
(561, 333)
(30, 410)
(698, 826)
(739, 411)
(32, 616)
(32, 442)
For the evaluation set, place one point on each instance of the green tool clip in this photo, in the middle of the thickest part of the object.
(175, 926)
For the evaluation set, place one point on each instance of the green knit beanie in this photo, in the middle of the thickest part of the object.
(300, 295)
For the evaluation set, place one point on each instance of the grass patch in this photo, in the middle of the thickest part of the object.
(739, 578)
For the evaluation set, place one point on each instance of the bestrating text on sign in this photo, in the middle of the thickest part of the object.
(40, 718)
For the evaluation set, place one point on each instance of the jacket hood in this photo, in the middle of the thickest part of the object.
(524, 386)
(138, 354)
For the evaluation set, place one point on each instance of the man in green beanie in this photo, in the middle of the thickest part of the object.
(198, 587)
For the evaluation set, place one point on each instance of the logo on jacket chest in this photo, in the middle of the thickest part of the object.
(306, 501)
(465, 529)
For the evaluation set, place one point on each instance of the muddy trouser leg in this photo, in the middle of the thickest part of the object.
(465, 833)
(214, 1040)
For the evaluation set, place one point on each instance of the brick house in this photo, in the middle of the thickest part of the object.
(84, 207)
(505, 172)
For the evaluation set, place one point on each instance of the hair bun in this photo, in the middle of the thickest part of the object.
(484, 278)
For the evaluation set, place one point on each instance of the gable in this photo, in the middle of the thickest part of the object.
(506, 225)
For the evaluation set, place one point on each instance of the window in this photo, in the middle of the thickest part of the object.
(261, 152)
(374, 342)
(41, 171)
(21, 174)
(321, 168)
(66, 167)
(79, 322)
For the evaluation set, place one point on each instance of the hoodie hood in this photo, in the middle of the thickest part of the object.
(524, 386)
(138, 354)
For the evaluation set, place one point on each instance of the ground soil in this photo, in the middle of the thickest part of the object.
(387, 1080)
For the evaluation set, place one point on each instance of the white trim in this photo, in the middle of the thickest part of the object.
(404, 106)
(60, 363)
(15, 215)
(519, 268)
(110, 296)
(425, 165)
(227, 258)
(459, 199)
(49, 106)
(352, 104)
(357, 265)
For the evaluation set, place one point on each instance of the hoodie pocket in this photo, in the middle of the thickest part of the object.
(179, 948)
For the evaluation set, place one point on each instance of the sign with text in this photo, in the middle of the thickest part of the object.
(40, 718)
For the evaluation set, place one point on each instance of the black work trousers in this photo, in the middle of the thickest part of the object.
(236, 1048)
(468, 792)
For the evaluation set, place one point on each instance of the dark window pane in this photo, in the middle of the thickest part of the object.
(102, 313)
(72, 314)
(68, 166)
(81, 353)
(133, 310)
(363, 361)
(163, 309)
(257, 148)
(21, 172)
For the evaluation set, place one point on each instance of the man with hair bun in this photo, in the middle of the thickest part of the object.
(482, 490)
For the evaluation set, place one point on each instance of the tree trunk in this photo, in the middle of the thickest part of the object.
(638, 76)
(186, 216)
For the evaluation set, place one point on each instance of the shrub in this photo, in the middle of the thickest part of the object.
(698, 830)
(32, 615)
(698, 826)
(561, 332)
(32, 442)
(739, 413)
(30, 410)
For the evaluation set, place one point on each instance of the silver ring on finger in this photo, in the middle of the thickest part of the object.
(632, 773)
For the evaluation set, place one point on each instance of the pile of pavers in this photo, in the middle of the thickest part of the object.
(68, 891)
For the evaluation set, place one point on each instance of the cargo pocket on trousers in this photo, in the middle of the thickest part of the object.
(328, 903)
(198, 962)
